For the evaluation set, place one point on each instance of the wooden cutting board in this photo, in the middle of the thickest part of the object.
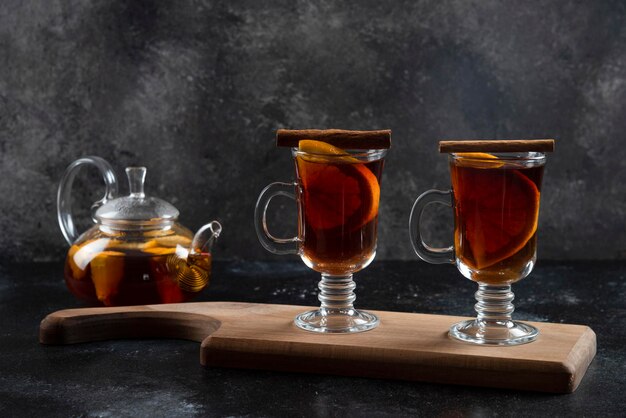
(405, 346)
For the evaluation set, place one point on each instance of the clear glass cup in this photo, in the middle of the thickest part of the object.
(496, 207)
(337, 200)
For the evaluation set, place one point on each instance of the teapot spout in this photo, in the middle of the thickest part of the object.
(194, 273)
(205, 238)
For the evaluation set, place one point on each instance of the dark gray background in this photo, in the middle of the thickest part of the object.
(195, 91)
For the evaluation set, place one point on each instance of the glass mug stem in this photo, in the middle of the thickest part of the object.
(493, 324)
(337, 313)
(494, 305)
(336, 292)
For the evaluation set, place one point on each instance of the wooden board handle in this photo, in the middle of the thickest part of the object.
(97, 324)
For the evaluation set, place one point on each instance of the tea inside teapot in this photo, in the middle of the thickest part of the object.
(136, 268)
(136, 253)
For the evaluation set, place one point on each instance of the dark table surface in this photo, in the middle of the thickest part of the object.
(164, 377)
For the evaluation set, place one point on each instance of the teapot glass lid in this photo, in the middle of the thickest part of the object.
(136, 209)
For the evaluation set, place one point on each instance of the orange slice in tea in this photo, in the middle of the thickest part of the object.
(478, 160)
(499, 209)
(338, 189)
(319, 151)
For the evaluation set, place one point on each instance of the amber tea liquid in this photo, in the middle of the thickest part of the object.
(338, 213)
(121, 275)
(496, 211)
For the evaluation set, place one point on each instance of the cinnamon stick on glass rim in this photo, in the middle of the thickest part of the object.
(497, 145)
(346, 139)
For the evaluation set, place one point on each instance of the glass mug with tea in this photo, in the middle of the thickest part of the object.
(495, 196)
(337, 193)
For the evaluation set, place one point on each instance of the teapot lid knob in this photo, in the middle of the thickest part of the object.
(136, 177)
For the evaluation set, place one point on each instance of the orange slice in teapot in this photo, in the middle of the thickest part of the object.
(78, 273)
(107, 271)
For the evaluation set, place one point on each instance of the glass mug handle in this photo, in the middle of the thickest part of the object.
(423, 250)
(271, 243)
(64, 195)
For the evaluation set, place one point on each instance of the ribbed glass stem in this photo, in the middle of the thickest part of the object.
(494, 305)
(337, 292)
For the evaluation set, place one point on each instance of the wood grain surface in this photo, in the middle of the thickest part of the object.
(405, 346)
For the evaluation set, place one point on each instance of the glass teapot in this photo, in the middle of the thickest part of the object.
(136, 253)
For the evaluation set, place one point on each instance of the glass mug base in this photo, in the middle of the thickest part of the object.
(507, 333)
(336, 321)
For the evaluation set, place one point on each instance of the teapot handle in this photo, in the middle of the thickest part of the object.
(64, 195)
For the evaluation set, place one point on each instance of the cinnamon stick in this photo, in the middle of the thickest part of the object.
(493, 145)
(338, 137)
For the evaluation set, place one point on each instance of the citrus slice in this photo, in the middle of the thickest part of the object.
(78, 273)
(153, 247)
(338, 189)
(319, 151)
(498, 210)
(107, 271)
(478, 160)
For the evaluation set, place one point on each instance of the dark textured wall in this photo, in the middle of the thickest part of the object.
(194, 90)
